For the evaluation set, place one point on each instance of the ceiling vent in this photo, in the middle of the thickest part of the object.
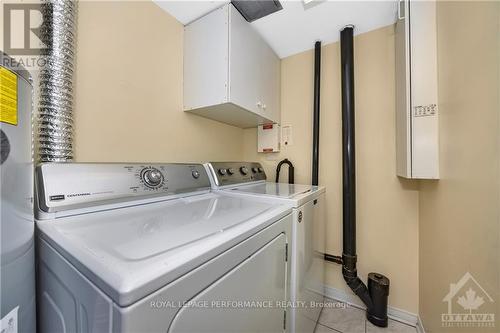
(254, 9)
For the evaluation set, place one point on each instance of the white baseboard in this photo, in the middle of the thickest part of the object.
(393, 313)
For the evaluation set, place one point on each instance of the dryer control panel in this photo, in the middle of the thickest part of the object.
(233, 173)
(65, 186)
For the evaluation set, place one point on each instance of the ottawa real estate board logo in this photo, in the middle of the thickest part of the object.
(467, 302)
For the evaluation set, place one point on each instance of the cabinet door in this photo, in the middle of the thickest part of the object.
(270, 87)
(244, 63)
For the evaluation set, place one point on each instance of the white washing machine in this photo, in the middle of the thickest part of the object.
(148, 248)
(246, 179)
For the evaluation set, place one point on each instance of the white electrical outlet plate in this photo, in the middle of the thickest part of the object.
(8, 323)
(286, 136)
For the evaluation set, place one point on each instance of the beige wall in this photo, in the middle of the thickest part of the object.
(459, 214)
(129, 90)
(387, 207)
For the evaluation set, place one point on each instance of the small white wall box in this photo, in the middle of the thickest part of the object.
(268, 138)
(417, 114)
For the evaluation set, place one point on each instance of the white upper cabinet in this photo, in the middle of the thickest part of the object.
(230, 73)
(270, 83)
(417, 116)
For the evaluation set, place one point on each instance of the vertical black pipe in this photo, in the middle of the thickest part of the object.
(348, 142)
(375, 296)
(317, 82)
(349, 257)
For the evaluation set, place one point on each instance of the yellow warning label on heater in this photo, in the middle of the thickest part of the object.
(8, 97)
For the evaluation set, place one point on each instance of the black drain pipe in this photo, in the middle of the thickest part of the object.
(375, 296)
(316, 108)
(317, 81)
(349, 169)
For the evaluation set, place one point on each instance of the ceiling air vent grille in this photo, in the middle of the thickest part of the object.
(254, 9)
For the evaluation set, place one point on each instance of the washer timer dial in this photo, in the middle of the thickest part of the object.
(244, 170)
(152, 177)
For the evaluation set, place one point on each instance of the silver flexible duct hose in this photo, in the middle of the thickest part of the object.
(55, 106)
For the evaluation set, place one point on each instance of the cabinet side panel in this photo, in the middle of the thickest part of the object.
(403, 124)
(205, 60)
(424, 94)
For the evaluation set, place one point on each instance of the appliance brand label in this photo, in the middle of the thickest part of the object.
(58, 197)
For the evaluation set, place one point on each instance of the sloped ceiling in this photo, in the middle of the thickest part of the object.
(297, 26)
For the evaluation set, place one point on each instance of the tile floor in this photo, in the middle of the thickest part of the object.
(340, 317)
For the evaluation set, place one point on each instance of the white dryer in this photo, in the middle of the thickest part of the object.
(244, 179)
(148, 248)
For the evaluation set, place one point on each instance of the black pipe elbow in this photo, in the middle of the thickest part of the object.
(350, 274)
(374, 296)
(360, 289)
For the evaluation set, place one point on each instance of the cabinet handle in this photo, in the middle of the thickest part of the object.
(401, 17)
(264, 106)
(259, 105)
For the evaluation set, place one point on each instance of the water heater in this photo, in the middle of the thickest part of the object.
(17, 270)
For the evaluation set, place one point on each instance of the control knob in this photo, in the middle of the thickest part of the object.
(222, 171)
(244, 170)
(152, 177)
(230, 171)
(255, 170)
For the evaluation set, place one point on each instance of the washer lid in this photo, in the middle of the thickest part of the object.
(130, 252)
